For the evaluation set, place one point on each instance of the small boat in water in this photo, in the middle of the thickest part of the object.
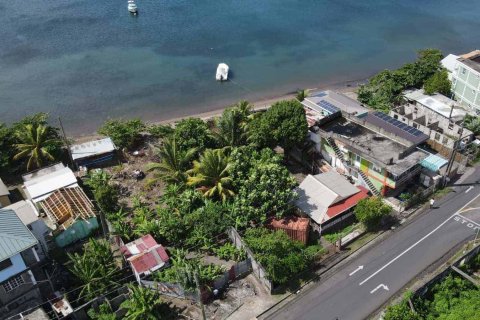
(222, 72)
(132, 6)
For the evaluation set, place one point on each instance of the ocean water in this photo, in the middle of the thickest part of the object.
(86, 60)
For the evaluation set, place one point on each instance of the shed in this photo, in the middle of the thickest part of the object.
(92, 153)
(145, 256)
(295, 227)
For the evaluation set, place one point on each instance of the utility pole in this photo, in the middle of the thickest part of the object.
(65, 140)
(199, 292)
(452, 157)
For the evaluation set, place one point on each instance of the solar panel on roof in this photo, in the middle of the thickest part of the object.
(400, 125)
(320, 94)
(328, 106)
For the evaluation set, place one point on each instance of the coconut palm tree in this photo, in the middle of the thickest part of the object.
(173, 163)
(144, 303)
(211, 175)
(34, 143)
(302, 94)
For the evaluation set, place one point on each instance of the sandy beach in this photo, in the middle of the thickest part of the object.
(348, 88)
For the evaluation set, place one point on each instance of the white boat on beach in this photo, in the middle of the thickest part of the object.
(222, 72)
(132, 6)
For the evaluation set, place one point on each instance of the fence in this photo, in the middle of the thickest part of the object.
(422, 291)
(257, 269)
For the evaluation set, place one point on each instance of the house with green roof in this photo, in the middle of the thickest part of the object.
(18, 286)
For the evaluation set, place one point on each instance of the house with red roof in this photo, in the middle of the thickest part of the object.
(328, 198)
(145, 256)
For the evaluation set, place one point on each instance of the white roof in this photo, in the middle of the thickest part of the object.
(41, 183)
(3, 189)
(438, 103)
(317, 193)
(449, 62)
(25, 210)
(92, 148)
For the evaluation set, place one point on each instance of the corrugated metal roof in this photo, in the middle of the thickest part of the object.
(25, 210)
(433, 162)
(14, 235)
(3, 189)
(40, 184)
(92, 148)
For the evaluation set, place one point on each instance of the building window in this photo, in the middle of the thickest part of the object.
(415, 125)
(450, 125)
(395, 116)
(13, 283)
(5, 264)
(376, 169)
(415, 109)
(437, 136)
(445, 140)
(473, 91)
(464, 70)
(459, 131)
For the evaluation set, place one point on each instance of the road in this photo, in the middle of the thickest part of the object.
(366, 282)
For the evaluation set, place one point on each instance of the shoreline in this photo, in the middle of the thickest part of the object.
(346, 87)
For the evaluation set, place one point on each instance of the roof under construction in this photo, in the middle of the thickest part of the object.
(66, 205)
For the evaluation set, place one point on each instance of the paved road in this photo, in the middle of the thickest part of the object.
(364, 284)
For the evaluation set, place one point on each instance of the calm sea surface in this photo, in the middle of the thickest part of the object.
(88, 60)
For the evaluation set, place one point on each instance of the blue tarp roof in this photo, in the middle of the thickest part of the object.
(433, 162)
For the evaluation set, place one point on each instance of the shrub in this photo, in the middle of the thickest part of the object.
(371, 211)
(124, 133)
(229, 252)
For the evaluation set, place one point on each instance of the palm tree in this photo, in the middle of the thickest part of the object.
(144, 303)
(302, 94)
(173, 163)
(211, 175)
(34, 144)
(95, 268)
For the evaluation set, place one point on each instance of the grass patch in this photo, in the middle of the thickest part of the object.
(334, 236)
(361, 241)
(442, 192)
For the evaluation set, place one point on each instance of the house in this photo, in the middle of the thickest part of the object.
(435, 115)
(145, 256)
(433, 168)
(55, 192)
(93, 153)
(328, 198)
(464, 72)
(18, 286)
(322, 106)
(29, 215)
(376, 150)
(4, 195)
(296, 228)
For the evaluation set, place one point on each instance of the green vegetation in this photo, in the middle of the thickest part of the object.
(383, 90)
(278, 254)
(233, 125)
(104, 193)
(144, 303)
(124, 133)
(160, 131)
(211, 175)
(94, 269)
(174, 163)
(193, 133)
(104, 312)
(472, 123)
(452, 299)
(334, 236)
(283, 124)
(371, 211)
(229, 252)
(29, 144)
(439, 83)
(302, 94)
(182, 272)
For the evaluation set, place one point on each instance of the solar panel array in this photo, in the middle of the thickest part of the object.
(328, 106)
(320, 94)
(400, 125)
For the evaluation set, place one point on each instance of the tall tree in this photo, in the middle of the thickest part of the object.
(124, 133)
(211, 175)
(283, 124)
(173, 163)
(193, 133)
(439, 83)
(232, 125)
(34, 144)
(143, 303)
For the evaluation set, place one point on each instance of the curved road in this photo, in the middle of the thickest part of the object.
(366, 282)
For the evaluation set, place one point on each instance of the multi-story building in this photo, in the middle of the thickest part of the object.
(18, 286)
(437, 116)
(464, 72)
(377, 151)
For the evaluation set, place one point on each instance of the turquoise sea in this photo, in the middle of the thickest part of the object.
(87, 60)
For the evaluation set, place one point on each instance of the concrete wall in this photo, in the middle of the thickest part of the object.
(19, 293)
